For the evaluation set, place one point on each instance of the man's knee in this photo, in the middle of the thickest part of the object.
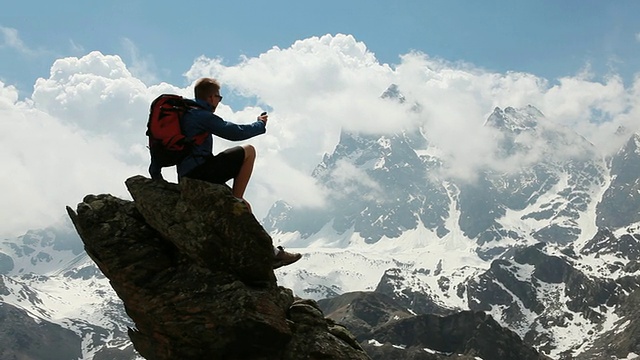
(249, 152)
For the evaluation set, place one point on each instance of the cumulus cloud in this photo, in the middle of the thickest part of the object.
(48, 165)
(323, 84)
(84, 125)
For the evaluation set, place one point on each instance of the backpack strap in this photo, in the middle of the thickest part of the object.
(192, 104)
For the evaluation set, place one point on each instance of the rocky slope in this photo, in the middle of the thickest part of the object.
(386, 330)
(22, 337)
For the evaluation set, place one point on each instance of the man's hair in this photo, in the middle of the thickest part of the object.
(206, 87)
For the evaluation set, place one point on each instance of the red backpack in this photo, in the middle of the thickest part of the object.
(167, 143)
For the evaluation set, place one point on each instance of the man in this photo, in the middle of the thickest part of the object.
(235, 163)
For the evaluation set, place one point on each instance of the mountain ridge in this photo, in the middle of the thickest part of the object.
(555, 202)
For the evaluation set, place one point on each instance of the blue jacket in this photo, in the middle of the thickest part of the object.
(197, 121)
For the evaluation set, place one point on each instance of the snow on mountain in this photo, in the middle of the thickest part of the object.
(622, 197)
(41, 251)
(47, 274)
(390, 201)
(397, 224)
(385, 185)
(327, 270)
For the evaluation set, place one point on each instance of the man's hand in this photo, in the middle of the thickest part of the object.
(263, 117)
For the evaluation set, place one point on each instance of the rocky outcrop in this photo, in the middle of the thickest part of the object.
(464, 335)
(619, 343)
(386, 330)
(194, 269)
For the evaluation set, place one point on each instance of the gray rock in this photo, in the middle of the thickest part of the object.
(194, 269)
(22, 337)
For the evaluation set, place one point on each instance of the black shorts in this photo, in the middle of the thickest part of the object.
(220, 168)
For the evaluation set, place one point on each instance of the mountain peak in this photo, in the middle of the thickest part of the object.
(393, 92)
(514, 120)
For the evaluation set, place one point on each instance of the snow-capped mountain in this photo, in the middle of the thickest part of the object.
(46, 279)
(383, 186)
(548, 247)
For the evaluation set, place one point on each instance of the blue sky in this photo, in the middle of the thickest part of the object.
(548, 38)
(77, 78)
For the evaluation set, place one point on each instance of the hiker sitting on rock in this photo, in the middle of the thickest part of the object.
(234, 163)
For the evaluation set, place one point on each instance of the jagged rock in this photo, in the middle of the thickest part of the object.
(194, 270)
(317, 335)
(620, 342)
(386, 330)
(419, 302)
(620, 206)
(362, 312)
(468, 333)
(6, 263)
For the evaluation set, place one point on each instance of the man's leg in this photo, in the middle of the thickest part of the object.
(242, 179)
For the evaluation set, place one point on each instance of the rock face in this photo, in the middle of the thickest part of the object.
(22, 337)
(386, 330)
(194, 270)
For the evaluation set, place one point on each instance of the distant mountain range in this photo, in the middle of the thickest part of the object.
(548, 248)
(545, 239)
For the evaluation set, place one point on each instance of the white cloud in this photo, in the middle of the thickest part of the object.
(142, 67)
(48, 165)
(11, 39)
(320, 85)
(85, 124)
(76, 48)
(98, 94)
(638, 37)
(353, 181)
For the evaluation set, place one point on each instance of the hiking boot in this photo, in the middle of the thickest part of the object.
(285, 258)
